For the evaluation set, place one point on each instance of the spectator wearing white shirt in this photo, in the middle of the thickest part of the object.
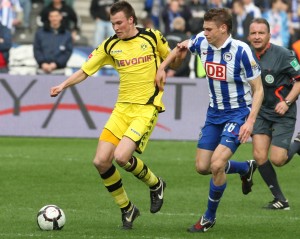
(252, 8)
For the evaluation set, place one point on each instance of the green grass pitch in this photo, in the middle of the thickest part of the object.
(39, 171)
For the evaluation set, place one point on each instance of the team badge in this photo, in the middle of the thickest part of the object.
(227, 56)
(295, 64)
(143, 46)
(269, 79)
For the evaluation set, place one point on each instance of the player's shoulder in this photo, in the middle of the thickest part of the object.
(279, 50)
(198, 39)
(150, 33)
(199, 35)
(239, 43)
(107, 43)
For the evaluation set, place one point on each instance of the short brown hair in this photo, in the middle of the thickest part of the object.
(219, 16)
(123, 6)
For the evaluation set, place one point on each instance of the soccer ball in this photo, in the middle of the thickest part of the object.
(51, 217)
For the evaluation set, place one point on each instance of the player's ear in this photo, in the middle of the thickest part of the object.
(131, 20)
(223, 28)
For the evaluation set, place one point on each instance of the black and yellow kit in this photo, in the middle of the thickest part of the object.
(136, 59)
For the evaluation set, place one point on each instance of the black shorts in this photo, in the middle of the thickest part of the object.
(280, 131)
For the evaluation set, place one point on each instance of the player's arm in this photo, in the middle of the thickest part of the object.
(181, 51)
(173, 60)
(74, 79)
(283, 106)
(291, 65)
(294, 93)
(257, 98)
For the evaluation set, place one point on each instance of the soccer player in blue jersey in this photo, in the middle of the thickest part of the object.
(236, 94)
(275, 124)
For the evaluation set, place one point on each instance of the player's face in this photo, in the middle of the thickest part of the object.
(121, 25)
(215, 35)
(259, 36)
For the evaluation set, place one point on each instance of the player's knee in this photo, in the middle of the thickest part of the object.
(101, 164)
(202, 169)
(121, 159)
(216, 167)
(259, 157)
(278, 162)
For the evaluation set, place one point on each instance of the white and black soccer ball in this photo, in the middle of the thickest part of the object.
(51, 217)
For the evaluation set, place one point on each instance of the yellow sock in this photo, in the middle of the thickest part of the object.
(113, 182)
(141, 171)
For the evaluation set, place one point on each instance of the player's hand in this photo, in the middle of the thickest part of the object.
(281, 108)
(160, 78)
(245, 132)
(181, 50)
(54, 91)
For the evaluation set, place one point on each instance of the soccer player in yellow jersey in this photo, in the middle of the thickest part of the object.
(136, 54)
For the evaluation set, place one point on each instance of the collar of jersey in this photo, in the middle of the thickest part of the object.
(225, 44)
(139, 31)
(264, 51)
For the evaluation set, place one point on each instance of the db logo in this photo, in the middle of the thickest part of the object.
(215, 71)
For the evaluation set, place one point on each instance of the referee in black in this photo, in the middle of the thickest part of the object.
(275, 123)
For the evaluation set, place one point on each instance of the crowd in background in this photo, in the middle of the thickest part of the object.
(282, 15)
(176, 19)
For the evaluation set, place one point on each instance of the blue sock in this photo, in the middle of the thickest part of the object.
(215, 194)
(236, 167)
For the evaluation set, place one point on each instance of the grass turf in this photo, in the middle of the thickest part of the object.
(39, 171)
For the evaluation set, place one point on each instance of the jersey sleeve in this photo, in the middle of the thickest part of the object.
(97, 59)
(252, 69)
(195, 42)
(162, 45)
(292, 65)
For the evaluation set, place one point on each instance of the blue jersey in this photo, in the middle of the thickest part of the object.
(228, 70)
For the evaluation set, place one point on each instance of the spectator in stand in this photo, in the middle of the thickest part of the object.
(11, 13)
(70, 19)
(153, 9)
(69, 2)
(278, 21)
(52, 45)
(172, 11)
(252, 8)
(215, 4)
(263, 5)
(294, 18)
(176, 36)
(26, 6)
(186, 13)
(99, 10)
(240, 21)
(198, 9)
(5, 45)
(147, 23)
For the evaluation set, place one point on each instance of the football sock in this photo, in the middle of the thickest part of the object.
(215, 194)
(141, 171)
(127, 208)
(293, 149)
(268, 174)
(236, 167)
(113, 183)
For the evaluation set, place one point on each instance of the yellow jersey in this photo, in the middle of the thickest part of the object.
(136, 59)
